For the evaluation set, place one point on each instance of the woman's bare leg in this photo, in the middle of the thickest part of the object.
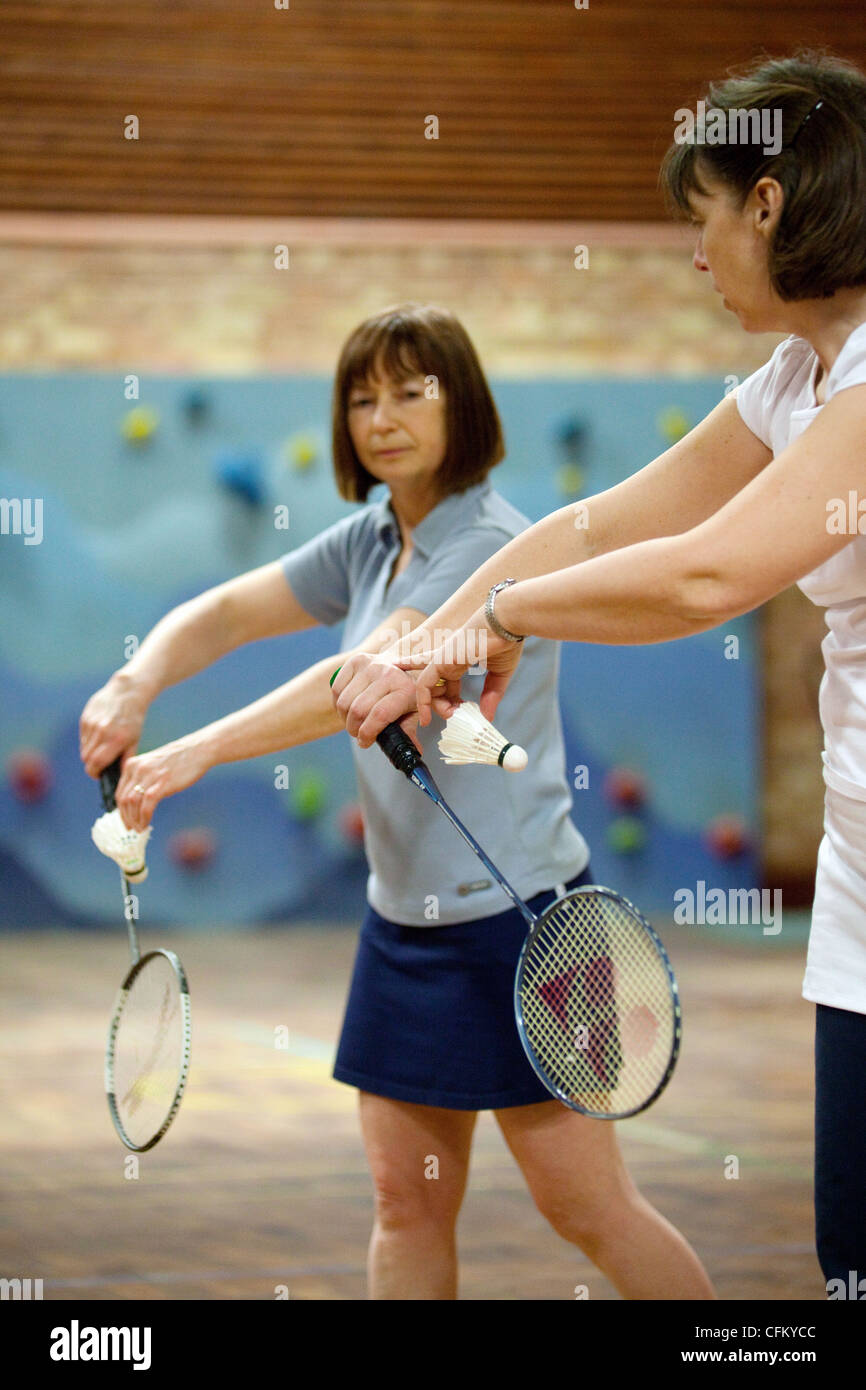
(579, 1182)
(419, 1160)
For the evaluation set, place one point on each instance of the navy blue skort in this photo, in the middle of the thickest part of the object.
(430, 1013)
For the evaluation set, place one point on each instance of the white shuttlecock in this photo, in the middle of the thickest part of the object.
(470, 738)
(125, 847)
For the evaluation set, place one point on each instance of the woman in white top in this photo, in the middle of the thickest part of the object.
(765, 492)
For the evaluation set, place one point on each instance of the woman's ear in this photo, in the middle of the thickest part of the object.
(767, 200)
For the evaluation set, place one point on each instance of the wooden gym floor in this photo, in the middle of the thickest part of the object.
(261, 1181)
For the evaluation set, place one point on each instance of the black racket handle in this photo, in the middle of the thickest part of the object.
(395, 744)
(399, 749)
(108, 780)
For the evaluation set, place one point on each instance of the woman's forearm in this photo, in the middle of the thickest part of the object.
(551, 544)
(651, 592)
(297, 712)
(189, 638)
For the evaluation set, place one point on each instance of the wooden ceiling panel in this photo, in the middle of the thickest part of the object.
(318, 110)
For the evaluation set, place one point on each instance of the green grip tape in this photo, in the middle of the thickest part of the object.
(335, 675)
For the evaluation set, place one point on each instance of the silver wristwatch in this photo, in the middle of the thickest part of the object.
(490, 617)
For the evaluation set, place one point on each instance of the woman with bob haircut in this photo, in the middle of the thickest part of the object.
(746, 504)
(428, 1036)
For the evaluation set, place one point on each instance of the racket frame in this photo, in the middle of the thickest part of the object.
(405, 757)
(116, 1018)
(108, 780)
(535, 930)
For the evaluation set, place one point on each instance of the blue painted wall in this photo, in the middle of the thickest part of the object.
(131, 530)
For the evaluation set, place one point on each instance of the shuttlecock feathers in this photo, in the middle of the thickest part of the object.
(125, 847)
(470, 738)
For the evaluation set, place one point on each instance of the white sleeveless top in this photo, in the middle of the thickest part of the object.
(778, 403)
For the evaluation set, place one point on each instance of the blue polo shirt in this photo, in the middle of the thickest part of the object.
(421, 872)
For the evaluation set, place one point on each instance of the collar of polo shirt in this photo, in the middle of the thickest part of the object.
(438, 524)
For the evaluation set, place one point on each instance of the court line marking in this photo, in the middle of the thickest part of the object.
(654, 1135)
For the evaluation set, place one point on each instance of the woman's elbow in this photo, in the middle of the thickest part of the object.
(707, 600)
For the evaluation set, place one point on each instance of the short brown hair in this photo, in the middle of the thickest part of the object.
(405, 341)
(819, 245)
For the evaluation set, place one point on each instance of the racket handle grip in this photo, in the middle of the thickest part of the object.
(108, 780)
(399, 749)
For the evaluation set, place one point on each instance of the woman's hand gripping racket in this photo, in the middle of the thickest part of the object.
(147, 1057)
(595, 996)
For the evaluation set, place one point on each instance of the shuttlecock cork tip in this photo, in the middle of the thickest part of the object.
(514, 758)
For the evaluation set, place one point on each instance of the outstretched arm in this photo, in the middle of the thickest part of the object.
(189, 638)
(297, 712)
(775, 530)
(671, 495)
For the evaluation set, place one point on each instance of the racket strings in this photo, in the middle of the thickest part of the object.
(597, 1004)
(150, 1047)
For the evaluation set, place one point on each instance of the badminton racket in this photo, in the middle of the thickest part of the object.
(147, 1056)
(595, 996)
